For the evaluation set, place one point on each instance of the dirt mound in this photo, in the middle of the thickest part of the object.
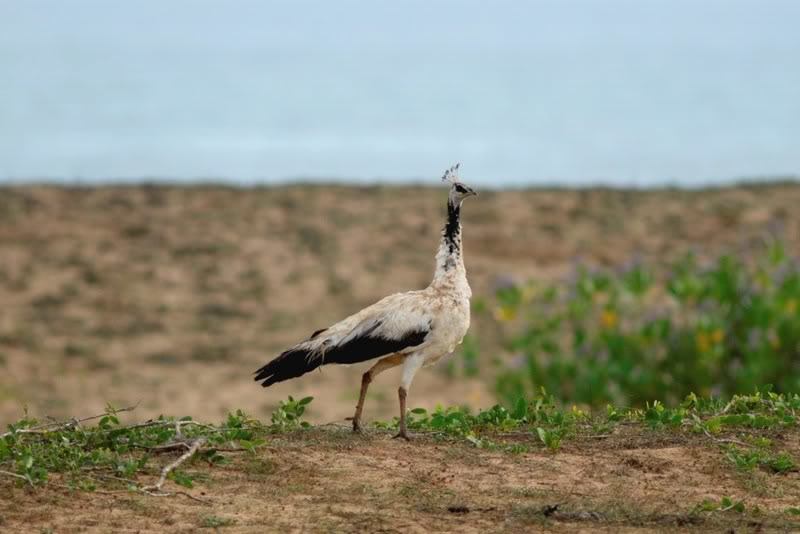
(328, 480)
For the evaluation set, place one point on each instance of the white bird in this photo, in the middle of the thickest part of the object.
(415, 329)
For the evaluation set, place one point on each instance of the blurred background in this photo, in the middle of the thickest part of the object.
(186, 187)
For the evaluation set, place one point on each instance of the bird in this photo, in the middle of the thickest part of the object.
(414, 329)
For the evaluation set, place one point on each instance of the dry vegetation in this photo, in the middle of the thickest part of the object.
(172, 295)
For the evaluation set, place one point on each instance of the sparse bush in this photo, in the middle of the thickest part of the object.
(89, 456)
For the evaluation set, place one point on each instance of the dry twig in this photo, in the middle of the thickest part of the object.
(156, 489)
(15, 475)
(726, 440)
(60, 425)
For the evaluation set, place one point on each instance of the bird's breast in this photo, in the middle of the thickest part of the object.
(453, 322)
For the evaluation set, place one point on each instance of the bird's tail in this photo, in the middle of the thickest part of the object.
(290, 364)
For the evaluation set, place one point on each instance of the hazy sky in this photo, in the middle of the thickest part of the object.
(569, 92)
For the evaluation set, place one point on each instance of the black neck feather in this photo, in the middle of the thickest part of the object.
(452, 230)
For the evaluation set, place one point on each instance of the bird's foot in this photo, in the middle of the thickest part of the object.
(402, 434)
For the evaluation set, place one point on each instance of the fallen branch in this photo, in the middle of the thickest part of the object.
(16, 475)
(184, 445)
(169, 447)
(726, 440)
(156, 489)
(177, 424)
(226, 449)
(60, 425)
(134, 487)
(192, 497)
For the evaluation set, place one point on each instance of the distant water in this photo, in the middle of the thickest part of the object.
(639, 92)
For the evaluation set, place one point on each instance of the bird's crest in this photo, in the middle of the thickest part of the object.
(451, 174)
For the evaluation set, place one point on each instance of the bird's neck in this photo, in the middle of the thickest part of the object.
(450, 260)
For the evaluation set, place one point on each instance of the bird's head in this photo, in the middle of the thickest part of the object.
(458, 189)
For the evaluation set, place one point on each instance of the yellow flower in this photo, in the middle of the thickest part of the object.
(504, 313)
(703, 342)
(790, 306)
(578, 413)
(609, 319)
(717, 336)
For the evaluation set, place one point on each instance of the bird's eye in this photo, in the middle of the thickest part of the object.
(460, 188)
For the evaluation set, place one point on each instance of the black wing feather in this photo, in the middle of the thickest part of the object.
(296, 362)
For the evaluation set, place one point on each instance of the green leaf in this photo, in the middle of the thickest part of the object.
(520, 412)
(542, 433)
(182, 479)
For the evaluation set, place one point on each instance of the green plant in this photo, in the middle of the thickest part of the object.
(657, 415)
(725, 504)
(86, 456)
(470, 355)
(213, 521)
(540, 416)
(629, 336)
(747, 459)
(550, 438)
(288, 415)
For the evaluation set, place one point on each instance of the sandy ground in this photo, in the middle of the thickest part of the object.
(172, 296)
(328, 480)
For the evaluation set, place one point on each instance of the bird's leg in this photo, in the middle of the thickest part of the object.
(366, 379)
(401, 393)
(410, 368)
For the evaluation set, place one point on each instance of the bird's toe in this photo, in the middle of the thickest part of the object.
(402, 434)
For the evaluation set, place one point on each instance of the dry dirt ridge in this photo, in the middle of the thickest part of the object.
(328, 480)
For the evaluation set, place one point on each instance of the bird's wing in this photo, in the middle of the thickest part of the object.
(397, 323)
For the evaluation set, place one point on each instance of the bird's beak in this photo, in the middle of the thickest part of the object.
(473, 192)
